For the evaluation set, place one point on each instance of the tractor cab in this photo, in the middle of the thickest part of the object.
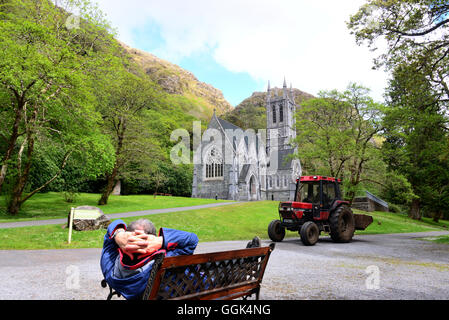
(314, 198)
(317, 190)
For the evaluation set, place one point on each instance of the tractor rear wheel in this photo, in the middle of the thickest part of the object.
(275, 231)
(342, 224)
(309, 233)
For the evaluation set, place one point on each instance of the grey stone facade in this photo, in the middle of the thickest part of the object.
(249, 166)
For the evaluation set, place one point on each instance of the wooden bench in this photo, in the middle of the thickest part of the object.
(225, 275)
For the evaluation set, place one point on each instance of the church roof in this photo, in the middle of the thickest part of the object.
(244, 173)
(227, 125)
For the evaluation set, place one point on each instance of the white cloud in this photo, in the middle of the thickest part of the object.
(306, 41)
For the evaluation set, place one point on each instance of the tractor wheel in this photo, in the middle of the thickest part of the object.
(309, 233)
(342, 224)
(275, 231)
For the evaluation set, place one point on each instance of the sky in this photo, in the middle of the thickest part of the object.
(237, 46)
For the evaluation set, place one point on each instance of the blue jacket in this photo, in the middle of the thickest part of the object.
(175, 243)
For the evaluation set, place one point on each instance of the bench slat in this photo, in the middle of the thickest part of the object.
(225, 292)
(177, 261)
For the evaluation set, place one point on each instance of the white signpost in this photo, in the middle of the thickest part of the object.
(71, 224)
(81, 214)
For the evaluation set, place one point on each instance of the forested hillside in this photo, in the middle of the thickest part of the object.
(251, 112)
(81, 111)
(196, 98)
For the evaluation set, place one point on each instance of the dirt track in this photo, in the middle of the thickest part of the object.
(407, 269)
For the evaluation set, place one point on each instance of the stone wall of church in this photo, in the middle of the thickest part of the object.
(283, 191)
(209, 189)
(278, 195)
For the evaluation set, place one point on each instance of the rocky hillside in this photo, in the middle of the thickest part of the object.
(201, 98)
(251, 113)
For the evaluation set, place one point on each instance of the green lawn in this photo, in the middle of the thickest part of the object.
(236, 222)
(440, 239)
(385, 222)
(52, 205)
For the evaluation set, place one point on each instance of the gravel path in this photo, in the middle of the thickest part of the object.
(407, 269)
(114, 215)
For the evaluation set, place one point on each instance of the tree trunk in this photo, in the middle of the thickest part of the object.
(157, 189)
(350, 197)
(15, 202)
(112, 178)
(12, 141)
(415, 210)
(3, 175)
(14, 205)
(437, 216)
(111, 181)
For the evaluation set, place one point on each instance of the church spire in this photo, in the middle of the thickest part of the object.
(269, 92)
(285, 89)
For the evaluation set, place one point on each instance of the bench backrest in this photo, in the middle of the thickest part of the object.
(221, 275)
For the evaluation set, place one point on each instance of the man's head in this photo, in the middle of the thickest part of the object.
(143, 224)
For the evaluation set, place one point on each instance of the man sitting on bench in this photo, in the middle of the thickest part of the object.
(128, 253)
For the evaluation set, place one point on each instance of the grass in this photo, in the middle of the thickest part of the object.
(440, 239)
(386, 222)
(241, 221)
(52, 205)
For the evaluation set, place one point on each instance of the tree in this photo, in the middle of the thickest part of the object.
(126, 99)
(416, 143)
(159, 179)
(335, 136)
(416, 32)
(397, 189)
(417, 55)
(44, 84)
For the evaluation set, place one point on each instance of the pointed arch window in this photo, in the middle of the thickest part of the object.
(281, 114)
(214, 164)
(274, 114)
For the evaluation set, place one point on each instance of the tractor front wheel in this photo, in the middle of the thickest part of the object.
(342, 224)
(275, 231)
(309, 233)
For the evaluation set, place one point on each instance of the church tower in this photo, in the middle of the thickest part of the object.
(280, 119)
(283, 168)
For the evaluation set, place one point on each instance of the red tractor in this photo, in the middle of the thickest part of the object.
(318, 207)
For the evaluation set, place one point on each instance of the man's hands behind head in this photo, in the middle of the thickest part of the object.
(138, 242)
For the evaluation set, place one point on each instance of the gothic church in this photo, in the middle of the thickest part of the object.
(249, 166)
